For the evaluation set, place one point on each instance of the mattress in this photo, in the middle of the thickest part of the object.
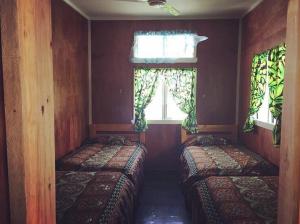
(94, 197)
(199, 162)
(233, 200)
(128, 159)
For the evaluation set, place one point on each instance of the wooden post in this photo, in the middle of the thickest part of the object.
(29, 112)
(289, 188)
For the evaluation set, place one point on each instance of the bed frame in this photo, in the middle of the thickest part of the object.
(229, 131)
(98, 129)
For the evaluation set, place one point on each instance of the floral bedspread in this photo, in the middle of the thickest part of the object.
(94, 197)
(235, 200)
(199, 162)
(128, 159)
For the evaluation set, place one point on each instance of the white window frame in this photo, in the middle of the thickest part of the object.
(164, 108)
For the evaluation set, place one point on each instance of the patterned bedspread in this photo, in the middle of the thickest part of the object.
(235, 200)
(128, 159)
(94, 197)
(199, 162)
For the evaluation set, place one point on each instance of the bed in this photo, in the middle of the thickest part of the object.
(112, 148)
(233, 200)
(94, 197)
(213, 155)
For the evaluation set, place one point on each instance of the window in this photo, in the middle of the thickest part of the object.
(264, 117)
(165, 47)
(163, 106)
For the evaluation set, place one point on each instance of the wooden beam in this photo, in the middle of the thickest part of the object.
(289, 187)
(29, 113)
(226, 129)
(118, 128)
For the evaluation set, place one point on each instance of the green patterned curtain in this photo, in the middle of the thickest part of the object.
(258, 87)
(145, 83)
(182, 85)
(276, 64)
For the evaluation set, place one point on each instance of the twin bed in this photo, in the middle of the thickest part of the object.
(226, 183)
(99, 182)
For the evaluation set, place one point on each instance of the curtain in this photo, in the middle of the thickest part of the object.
(276, 64)
(258, 87)
(145, 83)
(182, 85)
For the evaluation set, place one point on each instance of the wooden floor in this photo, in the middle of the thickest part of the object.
(161, 200)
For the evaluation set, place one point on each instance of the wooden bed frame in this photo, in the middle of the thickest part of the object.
(229, 131)
(97, 129)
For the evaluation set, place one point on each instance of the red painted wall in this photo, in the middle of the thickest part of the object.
(4, 200)
(70, 62)
(112, 78)
(263, 28)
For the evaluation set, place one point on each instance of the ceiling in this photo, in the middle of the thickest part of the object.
(189, 9)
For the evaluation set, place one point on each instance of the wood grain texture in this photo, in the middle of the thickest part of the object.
(29, 109)
(162, 143)
(4, 199)
(112, 72)
(119, 128)
(289, 187)
(263, 28)
(112, 78)
(70, 62)
(229, 130)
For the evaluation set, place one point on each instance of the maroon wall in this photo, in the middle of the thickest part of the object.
(263, 28)
(4, 200)
(70, 62)
(112, 78)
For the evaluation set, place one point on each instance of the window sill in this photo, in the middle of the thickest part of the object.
(164, 122)
(265, 125)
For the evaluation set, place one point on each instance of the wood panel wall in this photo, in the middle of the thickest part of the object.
(263, 28)
(70, 63)
(29, 109)
(112, 77)
(4, 198)
(289, 187)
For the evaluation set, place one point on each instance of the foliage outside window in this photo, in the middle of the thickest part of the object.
(267, 83)
(176, 86)
(165, 47)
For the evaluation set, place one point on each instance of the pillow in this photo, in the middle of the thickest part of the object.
(207, 140)
(116, 140)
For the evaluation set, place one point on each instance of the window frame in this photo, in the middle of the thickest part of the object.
(270, 123)
(160, 60)
(164, 108)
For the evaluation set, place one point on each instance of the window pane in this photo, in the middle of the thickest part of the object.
(154, 110)
(179, 46)
(173, 111)
(149, 46)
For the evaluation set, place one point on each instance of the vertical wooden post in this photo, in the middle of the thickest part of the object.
(289, 189)
(29, 111)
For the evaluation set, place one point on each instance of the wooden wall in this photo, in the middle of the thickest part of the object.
(70, 62)
(263, 28)
(112, 78)
(4, 199)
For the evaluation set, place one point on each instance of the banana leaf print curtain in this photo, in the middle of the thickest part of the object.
(276, 64)
(258, 88)
(182, 85)
(270, 66)
(145, 83)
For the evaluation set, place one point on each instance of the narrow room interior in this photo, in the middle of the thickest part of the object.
(150, 112)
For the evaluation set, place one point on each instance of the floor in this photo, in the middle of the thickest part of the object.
(161, 200)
